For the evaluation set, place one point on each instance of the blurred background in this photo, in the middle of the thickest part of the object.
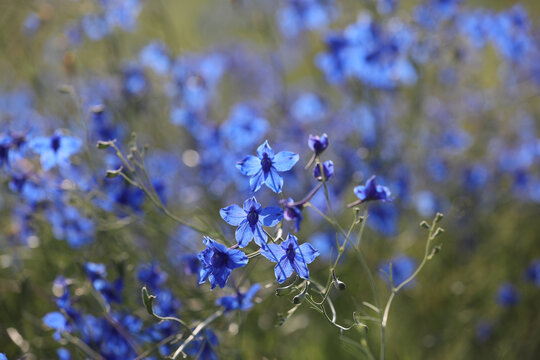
(438, 98)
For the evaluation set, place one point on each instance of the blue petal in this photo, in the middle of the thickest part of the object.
(273, 180)
(256, 181)
(260, 236)
(271, 216)
(233, 215)
(285, 160)
(70, 145)
(249, 166)
(283, 269)
(244, 234)
(307, 252)
(360, 192)
(236, 259)
(55, 320)
(265, 149)
(48, 159)
(272, 252)
(251, 202)
(301, 268)
(40, 144)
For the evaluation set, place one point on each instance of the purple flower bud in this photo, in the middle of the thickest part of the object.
(318, 143)
(328, 169)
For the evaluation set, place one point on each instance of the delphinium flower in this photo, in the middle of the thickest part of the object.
(307, 108)
(403, 267)
(301, 15)
(70, 225)
(293, 212)
(484, 329)
(507, 295)
(290, 257)
(240, 301)
(263, 168)
(55, 150)
(203, 346)
(244, 127)
(250, 220)
(135, 83)
(218, 262)
(156, 56)
(97, 274)
(151, 275)
(328, 170)
(318, 143)
(371, 192)
(532, 273)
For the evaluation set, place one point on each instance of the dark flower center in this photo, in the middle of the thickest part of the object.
(219, 259)
(290, 253)
(55, 143)
(252, 216)
(266, 163)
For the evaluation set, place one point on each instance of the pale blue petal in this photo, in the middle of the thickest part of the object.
(48, 159)
(273, 180)
(307, 252)
(301, 268)
(251, 202)
(233, 215)
(259, 235)
(244, 234)
(40, 144)
(271, 216)
(70, 145)
(283, 269)
(272, 252)
(256, 181)
(265, 149)
(249, 166)
(237, 259)
(285, 160)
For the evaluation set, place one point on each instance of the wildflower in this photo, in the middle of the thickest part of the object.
(318, 143)
(110, 291)
(328, 170)
(218, 262)
(152, 276)
(55, 150)
(70, 225)
(371, 192)
(507, 295)
(250, 220)
(156, 56)
(533, 272)
(56, 320)
(403, 267)
(241, 301)
(293, 212)
(263, 168)
(290, 257)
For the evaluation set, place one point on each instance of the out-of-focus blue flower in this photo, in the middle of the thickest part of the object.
(325, 243)
(384, 219)
(507, 295)
(31, 24)
(244, 127)
(218, 262)
(290, 257)
(301, 15)
(135, 82)
(403, 267)
(156, 56)
(372, 192)
(328, 170)
(3, 356)
(70, 225)
(55, 150)
(202, 346)
(97, 273)
(307, 108)
(241, 301)
(510, 32)
(483, 330)
(318, 143)
(250, 220)
(166, 303)
(57, 321)
(63, 354)
(152, 276)
(385, 7)
(121, 13)
(94, 26)
(263, 168)
(375, 54)
(293, 213)
(533, 272)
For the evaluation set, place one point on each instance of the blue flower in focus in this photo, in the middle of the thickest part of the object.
(403, 267)
(318, 143)
(263, 168)
(250, 220)
(55, 150)
(507, 295)
(372, 192)
(290, 257)
(240, 301)
(218, 262)
(328, 170)
(533, 272)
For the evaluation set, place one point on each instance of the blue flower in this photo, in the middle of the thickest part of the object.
(263, 168)
(218, 262)
(110, 291)
(290, 257)
(318, 143)
(56, 320)
(156, 56)
(250, 221)
(152, 276)
(507, 295)
(403, 267)
(244, 127)
(371, 191)
(3, 356)
(293, 212)
(70, 225)
(63, 354)
(55, 150)
(328, 170)
(241, 301)
(533, 272)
